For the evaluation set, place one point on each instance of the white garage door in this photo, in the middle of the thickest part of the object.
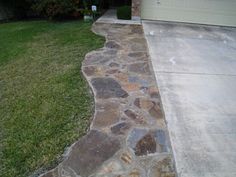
(217, 12)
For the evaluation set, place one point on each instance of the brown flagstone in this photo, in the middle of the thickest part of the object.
(140, 68)
(143, 103)
(131, 87)
(107, 114)
(134, 173)
(156, 111)
(146, 145)
(126, 158)
(120, 128)
(162, 168)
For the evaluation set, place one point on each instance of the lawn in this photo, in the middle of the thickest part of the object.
(45, 103)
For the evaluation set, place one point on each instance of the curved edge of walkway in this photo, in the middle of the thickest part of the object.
(128, 135)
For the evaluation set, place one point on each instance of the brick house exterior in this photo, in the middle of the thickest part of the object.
(136, 9)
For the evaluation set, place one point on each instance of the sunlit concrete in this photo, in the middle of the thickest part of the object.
(195, 68)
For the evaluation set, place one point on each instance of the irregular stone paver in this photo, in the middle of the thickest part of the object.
(120, 128)
(145, 141)
(91, 151)
(128, 135)
(107, 114)
(161, 168)
(146, 145)
(108, 88)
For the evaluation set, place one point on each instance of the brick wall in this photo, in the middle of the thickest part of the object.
(136, 8)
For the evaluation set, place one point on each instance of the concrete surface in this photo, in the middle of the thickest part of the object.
(110, 18)
(195, 67)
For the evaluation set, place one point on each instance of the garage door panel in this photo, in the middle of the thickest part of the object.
(212, 5)
(216, 12)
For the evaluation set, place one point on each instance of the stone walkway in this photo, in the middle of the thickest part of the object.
(128, 135)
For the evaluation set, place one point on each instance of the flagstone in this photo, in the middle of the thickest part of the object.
(140, 68)
(108, 88)
(127, 136)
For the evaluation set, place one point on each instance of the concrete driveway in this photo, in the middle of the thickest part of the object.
(195, 67)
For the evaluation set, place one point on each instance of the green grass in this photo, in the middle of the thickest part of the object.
(45, 104)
